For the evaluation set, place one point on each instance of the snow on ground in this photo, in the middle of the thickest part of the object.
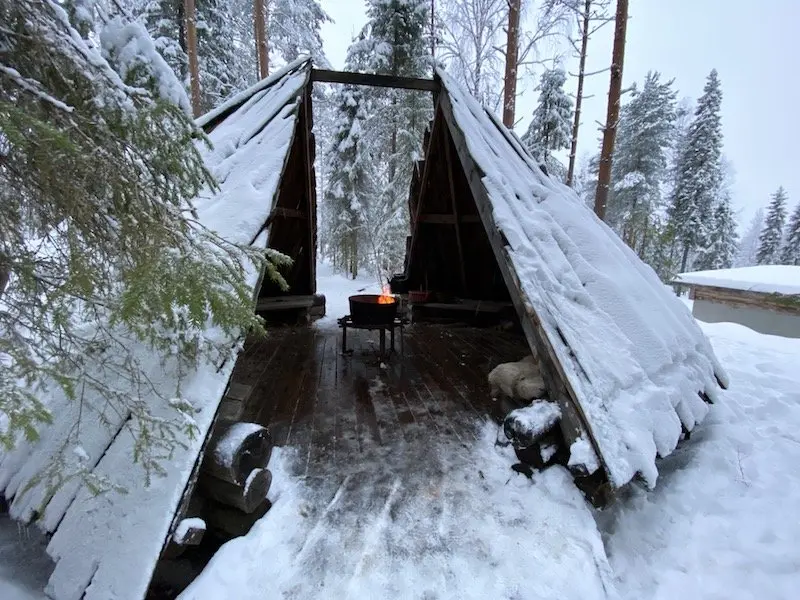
(777, 279)
(337, 288)
(723, 521)
(449, 522)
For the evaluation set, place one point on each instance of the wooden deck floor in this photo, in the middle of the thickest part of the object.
(336, 409)
(391, 486)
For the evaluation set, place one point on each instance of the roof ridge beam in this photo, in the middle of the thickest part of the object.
(374, 80)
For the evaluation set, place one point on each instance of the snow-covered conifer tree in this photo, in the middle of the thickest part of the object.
(294, 28)
(551, 127)
(698, 173)
(98, 250)
(771, 238)
(397, 40)
(790, 255)
(645, 135)
(722, 243)
(748, 248)
(350, 187)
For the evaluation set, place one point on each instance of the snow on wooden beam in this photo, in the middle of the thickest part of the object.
(370, 79)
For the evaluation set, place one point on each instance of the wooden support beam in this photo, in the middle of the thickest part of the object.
(288, 213)
(448, 159)
(370, 79)
(438, 122)
(311, 195)
(448, 219)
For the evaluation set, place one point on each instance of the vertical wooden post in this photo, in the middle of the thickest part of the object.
(260, 16)
(191, 52)
(510, 87)
(612, 115)
(573, 151)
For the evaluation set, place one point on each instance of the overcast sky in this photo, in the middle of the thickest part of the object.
(751, 44)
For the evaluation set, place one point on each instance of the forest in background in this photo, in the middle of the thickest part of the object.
(669, 195)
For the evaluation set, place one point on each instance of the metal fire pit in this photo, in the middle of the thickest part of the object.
(367, 312)
(365, 309)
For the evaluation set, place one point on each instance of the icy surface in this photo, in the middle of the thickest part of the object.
(630, 350)
(770, 279)
(438, 521)
(107, 545)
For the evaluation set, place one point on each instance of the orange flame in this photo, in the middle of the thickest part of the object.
(386, 297)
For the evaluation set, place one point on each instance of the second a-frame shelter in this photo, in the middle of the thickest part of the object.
(629, 367)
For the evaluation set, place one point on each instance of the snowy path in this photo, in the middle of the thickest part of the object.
(439, 521)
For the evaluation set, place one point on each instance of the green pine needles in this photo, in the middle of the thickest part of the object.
(104, 268)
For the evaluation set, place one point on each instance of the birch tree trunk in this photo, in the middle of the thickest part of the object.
(191, 52)
(512, 43)
(612, 114)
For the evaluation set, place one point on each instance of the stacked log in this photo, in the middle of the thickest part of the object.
(227, 523)
(237, 449)
(235, 479)
(246, 497)
(531, 422)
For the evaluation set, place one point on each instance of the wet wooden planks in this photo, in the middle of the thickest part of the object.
(341, 410)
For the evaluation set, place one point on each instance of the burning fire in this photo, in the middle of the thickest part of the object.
(386, 297)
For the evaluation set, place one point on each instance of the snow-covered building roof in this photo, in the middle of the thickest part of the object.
(623, 356)
(766, 279)
(106, 547)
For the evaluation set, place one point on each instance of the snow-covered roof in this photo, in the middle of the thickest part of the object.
(106, 546)
(768, 279)
(631, 351)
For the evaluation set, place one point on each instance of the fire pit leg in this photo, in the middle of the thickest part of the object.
(383, 343)
(344, 339)
(391, 339)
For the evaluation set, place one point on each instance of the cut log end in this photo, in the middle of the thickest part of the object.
(236, 450)
(246, 497)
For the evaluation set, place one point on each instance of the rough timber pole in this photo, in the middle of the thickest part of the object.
(262, 51)
(576, 123)
(510, 87)
(612, 115)
(191, 52)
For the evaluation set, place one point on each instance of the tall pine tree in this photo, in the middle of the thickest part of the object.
(790, 254)
(769, 242)
(698, 176)
(748, 248)
(722, 243)
(646, 133)
(551, 127)
(350, 188)
(397, 36)
(106, 261)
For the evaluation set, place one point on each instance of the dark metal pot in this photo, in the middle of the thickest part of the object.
(365, 309)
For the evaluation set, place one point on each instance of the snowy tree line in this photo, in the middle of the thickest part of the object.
(375, 139)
